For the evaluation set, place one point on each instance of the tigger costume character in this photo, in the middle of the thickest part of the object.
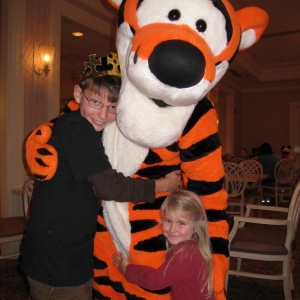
(171, 54)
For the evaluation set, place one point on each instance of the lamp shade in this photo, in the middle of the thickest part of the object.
(43, 58)
(47, 53)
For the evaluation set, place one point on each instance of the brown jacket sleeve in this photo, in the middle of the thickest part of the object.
(111, 185)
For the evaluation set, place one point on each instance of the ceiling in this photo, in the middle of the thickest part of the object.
(273, 62)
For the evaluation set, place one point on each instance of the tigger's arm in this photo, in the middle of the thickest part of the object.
(203, 173)
(41, 157)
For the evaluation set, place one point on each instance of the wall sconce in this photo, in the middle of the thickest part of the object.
(43, 58)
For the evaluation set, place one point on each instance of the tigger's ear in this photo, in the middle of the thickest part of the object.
(115, 3)
(253, 22)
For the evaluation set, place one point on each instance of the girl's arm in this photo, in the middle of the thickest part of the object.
(153, 279)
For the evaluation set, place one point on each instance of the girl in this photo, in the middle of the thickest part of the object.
(188, 267)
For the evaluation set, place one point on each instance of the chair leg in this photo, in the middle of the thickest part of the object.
(287, 289)
(226, 282)
(239, 263)
(292, 265)
(292, 281)
(227, 277)
(286, 280)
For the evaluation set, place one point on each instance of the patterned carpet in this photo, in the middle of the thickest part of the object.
(13, 284)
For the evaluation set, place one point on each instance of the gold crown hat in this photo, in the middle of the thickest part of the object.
(100, 66)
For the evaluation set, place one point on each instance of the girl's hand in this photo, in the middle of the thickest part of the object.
(120, 262)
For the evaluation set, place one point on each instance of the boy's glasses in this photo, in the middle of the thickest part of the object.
(98, 105)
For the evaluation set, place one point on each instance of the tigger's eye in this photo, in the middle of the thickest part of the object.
(174, 15)
(201, 25)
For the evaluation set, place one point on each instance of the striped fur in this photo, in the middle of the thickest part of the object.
(171, 54)
(192, 151)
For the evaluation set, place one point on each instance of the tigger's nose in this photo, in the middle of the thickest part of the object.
(177, 63)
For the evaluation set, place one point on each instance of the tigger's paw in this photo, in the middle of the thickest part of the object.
(41, 157)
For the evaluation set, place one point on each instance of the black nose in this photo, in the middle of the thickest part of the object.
(177, 63)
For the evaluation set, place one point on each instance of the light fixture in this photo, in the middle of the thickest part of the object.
(77, 33)
(297, 150)
(43, 58)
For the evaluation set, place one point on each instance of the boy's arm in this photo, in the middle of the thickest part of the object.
(112, 185)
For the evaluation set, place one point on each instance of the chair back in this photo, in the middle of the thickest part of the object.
(27, 195)
(252, 167)
(236, 179)
(237, 160)
(284, 171)
(293, 215)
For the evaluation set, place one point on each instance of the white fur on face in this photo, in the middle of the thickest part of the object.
(146, 124)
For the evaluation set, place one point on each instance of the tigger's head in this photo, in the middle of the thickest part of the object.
(178, 50)
(173, 52)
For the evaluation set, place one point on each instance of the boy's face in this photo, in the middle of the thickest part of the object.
(99, 118)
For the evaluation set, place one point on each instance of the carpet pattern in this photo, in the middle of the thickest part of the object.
(14, 286)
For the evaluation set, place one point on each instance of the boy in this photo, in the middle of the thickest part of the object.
(58, 252)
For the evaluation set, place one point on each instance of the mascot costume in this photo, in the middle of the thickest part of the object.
(171, 53)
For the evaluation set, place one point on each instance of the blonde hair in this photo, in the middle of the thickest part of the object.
(191, 204)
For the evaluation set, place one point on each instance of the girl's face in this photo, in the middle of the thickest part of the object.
(177, 227)
(99, 118)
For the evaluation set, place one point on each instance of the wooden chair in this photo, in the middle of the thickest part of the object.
(253, 189)
(283, 186)
(13, 228)
(271, 240)
(235, 188)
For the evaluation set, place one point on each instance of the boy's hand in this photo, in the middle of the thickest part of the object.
(120, 262)
(174, 180)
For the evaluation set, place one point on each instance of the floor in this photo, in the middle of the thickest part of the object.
(13, 284)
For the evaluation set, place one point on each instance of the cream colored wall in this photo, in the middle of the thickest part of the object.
(250, 119)
(27, 100)
(11, 107)
(264, 117)
(11, 103)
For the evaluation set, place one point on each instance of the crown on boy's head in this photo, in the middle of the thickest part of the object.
(100, 66)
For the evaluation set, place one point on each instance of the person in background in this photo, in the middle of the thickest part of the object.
(58, 249)
(268, 161)
(188, 266)
(254, 153)
(285, 153)
(227, 157)
(243, 153)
